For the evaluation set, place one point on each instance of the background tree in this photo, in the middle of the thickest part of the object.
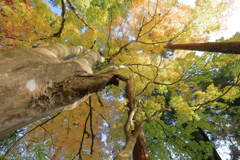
(132, 37)
(223, 47)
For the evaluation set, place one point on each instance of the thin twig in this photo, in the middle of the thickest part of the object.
(217, 98)
(91, 128)
(77, 14)
(103, 118)
(40, 125)
(99, 100)
(83, 135)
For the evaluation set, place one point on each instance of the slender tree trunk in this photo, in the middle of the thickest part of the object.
(140, 151)
(135, 146)
(200, 135)
(127, 150)
(135, 140)
(223, 47)
(216, 156)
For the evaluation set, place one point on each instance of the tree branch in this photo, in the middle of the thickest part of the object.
(58, 34)
(198, 106)
(129, 122)
(77, 14)
(83, 135)
(40, 125)
(91, 128)
(151, 118)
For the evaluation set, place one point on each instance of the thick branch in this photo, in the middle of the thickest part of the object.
(129, 122)
(61, 51)
(151, 118)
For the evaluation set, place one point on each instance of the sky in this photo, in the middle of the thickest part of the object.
(233, 22)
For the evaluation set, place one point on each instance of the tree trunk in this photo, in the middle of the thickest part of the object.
(140, 151)
(223, 47)
(200, 135)
(215, 156)
(135, 145)
(127, 150)
(35, 83)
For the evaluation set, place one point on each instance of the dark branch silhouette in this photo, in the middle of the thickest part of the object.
(58, 34)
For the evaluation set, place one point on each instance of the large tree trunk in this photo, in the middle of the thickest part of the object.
(35, 83)
(223, 47)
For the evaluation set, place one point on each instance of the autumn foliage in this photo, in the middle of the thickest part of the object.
(197, 95)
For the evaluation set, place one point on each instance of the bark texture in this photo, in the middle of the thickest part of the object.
(140, 151)
(135, 140)
(35, 83)
(223, 47)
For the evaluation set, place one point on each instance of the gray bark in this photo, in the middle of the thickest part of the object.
(35, 83)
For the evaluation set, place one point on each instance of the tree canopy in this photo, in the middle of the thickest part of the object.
(184, 104)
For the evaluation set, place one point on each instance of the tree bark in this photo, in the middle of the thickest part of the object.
(135, 145)
(35, 83)
(140, 151)
(223, 47)
(127, 150)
